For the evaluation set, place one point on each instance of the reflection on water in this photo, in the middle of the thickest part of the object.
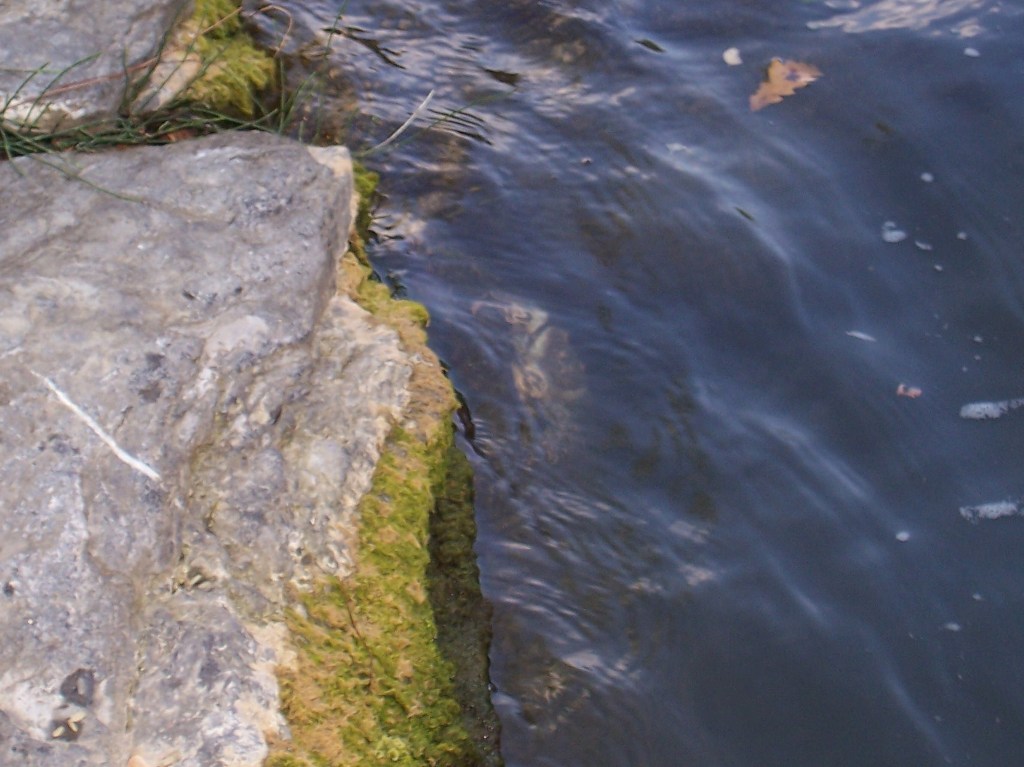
(715, 528)
(960, 16)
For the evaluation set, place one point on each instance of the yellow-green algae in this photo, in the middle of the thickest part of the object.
(234, 70)
(370, 685)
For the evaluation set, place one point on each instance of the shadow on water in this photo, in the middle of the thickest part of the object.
(711, 529)
(462, 616)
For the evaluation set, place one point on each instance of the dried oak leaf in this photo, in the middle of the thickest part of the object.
(783, 79)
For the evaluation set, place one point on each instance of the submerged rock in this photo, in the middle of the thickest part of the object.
(547, 374)
(189, 415)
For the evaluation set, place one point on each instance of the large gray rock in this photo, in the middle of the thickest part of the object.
(65, 61)
(189, 414)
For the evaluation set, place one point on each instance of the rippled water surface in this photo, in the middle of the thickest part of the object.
(714, 529)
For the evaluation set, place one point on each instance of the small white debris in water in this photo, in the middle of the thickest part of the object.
(732, 57)
(902, 536)
(972, 52)
(952, 626)
(989, 510)
(977, 597)
(981, 410)
(890, 232)
(937, 267)
(961, 235)
(927, 178)
(860, 336)
(922, 245)
(978, 340)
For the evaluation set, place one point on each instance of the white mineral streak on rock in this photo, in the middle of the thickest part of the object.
(122, 454)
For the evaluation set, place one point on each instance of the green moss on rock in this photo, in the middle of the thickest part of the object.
(366, 182)
(233, 70)
(462, 615)
(370, 685)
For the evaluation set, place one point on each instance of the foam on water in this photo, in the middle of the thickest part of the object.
(980, 411)
(990, 510)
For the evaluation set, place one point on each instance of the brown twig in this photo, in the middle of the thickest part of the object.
(288, 29)
(100, 78)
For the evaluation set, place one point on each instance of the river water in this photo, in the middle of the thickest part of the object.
(714, 527)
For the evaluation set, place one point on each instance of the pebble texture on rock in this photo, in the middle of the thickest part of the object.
(64, 61)
(189, 414)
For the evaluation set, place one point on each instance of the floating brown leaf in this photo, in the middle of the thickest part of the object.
(908, 391)
(784, 77)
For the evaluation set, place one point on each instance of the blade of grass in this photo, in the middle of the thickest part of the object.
(401, 129)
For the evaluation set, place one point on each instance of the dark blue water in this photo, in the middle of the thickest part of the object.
(712, 530)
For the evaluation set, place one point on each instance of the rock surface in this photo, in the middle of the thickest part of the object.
(64, 61)
(189, 414)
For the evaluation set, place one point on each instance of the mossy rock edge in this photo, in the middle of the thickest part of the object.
(372, 685)
(236, 71)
